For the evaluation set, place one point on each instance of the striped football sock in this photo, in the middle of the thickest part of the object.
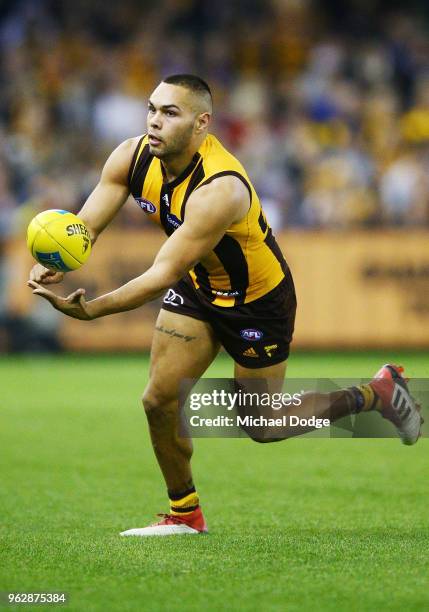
(183, 503)
(366, 398)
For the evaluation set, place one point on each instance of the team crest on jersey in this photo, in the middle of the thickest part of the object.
(146, 205)
(252, 335)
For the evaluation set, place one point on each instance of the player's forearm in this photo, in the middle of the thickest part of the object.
(93, 234)
(135, 293)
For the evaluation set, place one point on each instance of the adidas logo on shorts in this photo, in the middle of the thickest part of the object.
(250, 352)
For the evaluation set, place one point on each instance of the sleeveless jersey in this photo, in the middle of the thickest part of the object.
(247, 262)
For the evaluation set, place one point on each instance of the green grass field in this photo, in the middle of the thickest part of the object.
(305, 524)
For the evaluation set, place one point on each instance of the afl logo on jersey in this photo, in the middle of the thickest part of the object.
(146, 205)
(251, 334)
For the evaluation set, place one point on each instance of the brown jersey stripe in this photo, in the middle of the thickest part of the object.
(164, 209)
(140, 172)
(203, 280)
(262, 223)
(184, 175)
(134, 159)
(196, 178)
(271, 243)
(229, 173)
(233, 260)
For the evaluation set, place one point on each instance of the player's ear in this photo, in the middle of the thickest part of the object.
(202, 122)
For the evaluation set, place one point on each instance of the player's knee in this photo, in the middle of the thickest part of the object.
(151, 402)
(155, 402)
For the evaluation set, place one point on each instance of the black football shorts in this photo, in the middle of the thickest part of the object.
(256, 335)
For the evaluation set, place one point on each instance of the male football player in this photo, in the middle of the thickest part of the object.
(224, 278)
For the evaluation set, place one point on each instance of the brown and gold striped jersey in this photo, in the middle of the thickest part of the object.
(247, 262)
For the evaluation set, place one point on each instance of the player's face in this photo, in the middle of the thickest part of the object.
(171, 120)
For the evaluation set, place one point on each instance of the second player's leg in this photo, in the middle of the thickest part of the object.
(183, 347)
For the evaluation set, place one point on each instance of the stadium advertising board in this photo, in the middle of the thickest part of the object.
(355, 290)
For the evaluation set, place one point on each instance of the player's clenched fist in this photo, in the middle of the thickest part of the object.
(43, 275)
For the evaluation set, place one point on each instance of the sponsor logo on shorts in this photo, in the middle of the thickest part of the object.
(252, 335)
(250, 353)
(173, 298)
(146, 205)
(270, 349)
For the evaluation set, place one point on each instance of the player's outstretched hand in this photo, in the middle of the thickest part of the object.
(43, 275)
(73, 305)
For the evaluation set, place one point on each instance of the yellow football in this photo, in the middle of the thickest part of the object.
(59, 240)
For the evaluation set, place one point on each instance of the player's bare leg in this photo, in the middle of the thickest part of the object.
(182, 347)
(387, 392)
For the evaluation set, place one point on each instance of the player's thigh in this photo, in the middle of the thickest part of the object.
(182, 347)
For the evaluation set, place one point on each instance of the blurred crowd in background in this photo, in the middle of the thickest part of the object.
(327, 108)
(325, 103)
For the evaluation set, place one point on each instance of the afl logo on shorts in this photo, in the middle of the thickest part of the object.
(146, 205)
(251, 334)
(173, 298)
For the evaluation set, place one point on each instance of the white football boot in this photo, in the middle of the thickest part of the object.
(172, 524)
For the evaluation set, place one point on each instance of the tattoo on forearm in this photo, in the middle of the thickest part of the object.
(173, 333)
